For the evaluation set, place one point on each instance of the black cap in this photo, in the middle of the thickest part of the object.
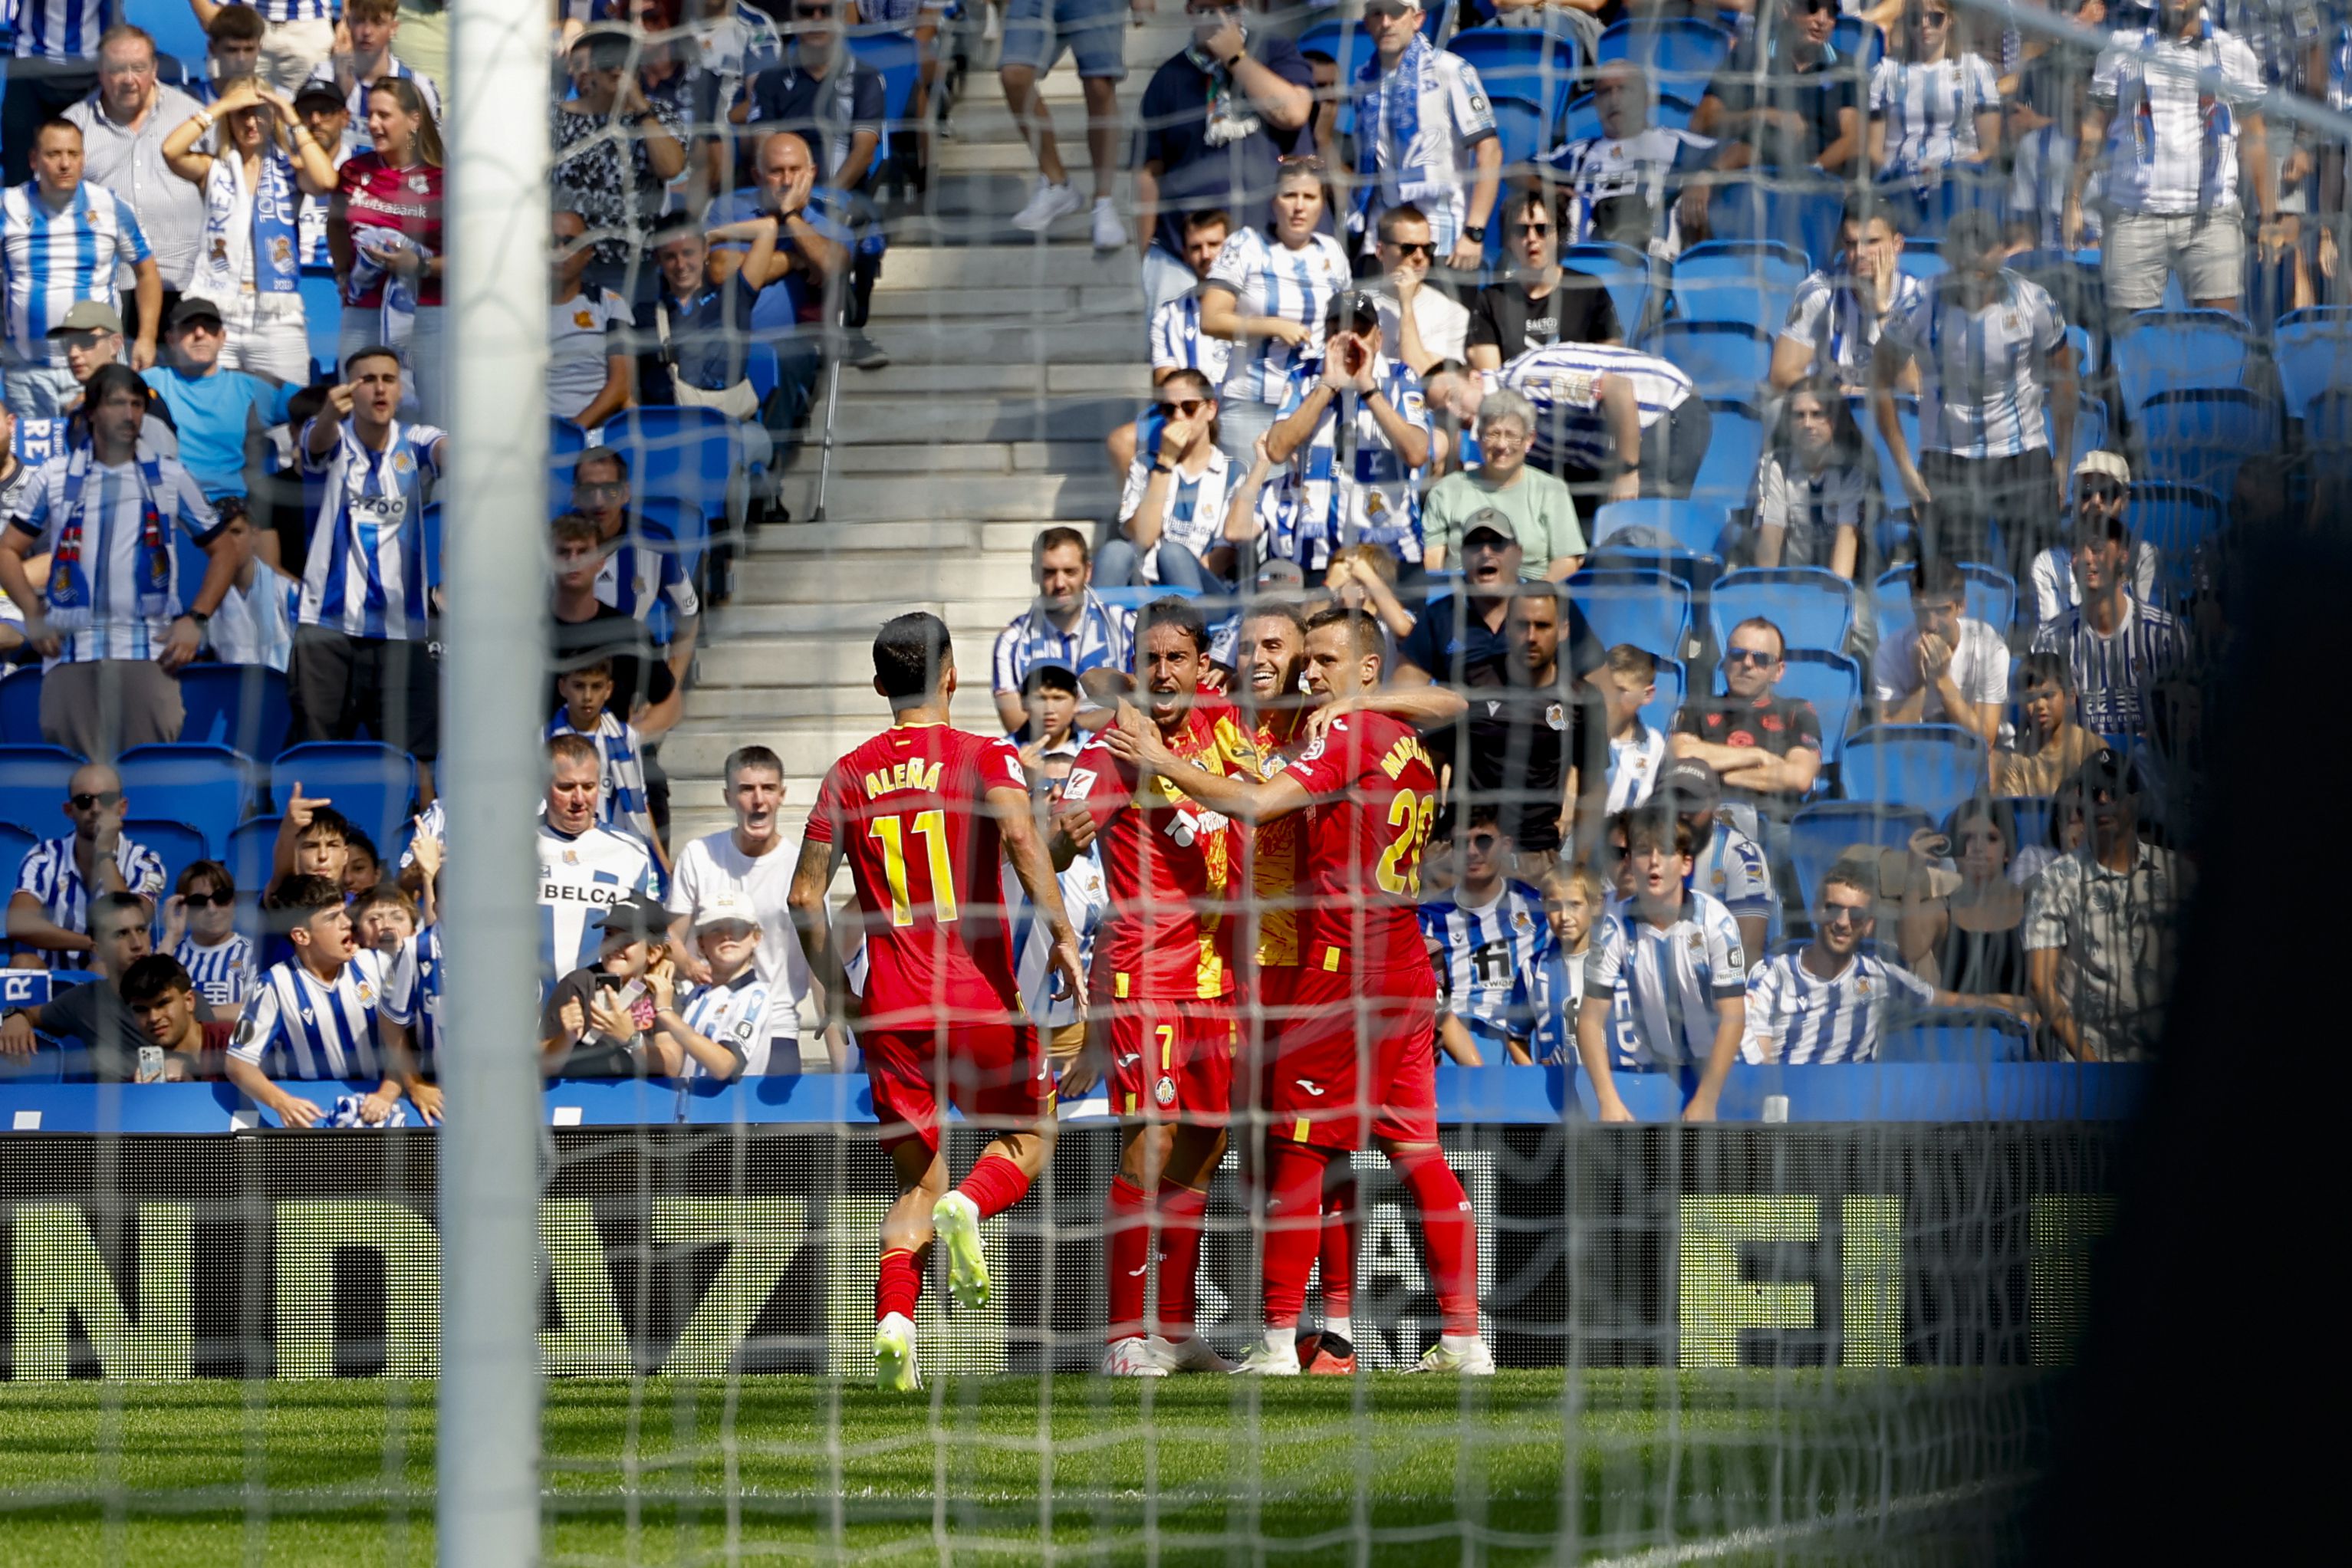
(1692, 783)
(325, 94)
(1352, 307)
(193, 307)
(2110, 770)
(636, 917)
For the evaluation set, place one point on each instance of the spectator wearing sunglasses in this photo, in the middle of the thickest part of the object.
(1935, 114)
(1541, 302)
(1419, 325)
(48, 914)
(2102, 489)
(1171, 515)
(1786, 102)
(1178, 344)
(1486, 938)
(200, 932)
(1766, 749)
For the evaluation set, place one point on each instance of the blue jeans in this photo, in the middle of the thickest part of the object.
(1118, 563)
(1094, 31)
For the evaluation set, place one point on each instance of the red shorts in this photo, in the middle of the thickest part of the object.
(1169, 1060)
(1358, 1062)
(993, 1074)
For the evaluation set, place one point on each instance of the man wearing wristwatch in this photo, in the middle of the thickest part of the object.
(115, 622)
(1422, 121)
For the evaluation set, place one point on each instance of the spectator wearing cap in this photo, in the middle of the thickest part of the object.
(2049, 743)
(61, 879)
(1947, 666)
(2100, 924)
(616, 1016)
(221, 414)
(1992, 354)
(1610, 420)
(123, 124)
(1419, 325)
(2102, 491)
(251, 266)
(2170, 122)
(1171, 513)
(591, 373)
(1069, 625)
(1519, 743)
(91, 338)
(372, 26)
(1504, 492)
(61, 240)
(1725, 861)
(1216, 119)
(725, 1018)
(1367, 488)
(1624, 185)
(1458, 639)
(1422, 123)
(2119, 649)
(1839, 312)
(115, 622)
(330, 118)
(748, 866)
(1541, 302)
(1267, 294)
(1765, 749)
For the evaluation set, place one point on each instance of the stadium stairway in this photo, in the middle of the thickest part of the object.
(1010, 358)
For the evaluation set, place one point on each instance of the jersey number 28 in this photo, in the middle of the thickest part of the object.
(1400, 868)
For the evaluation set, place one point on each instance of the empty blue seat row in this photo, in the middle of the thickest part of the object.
(212, 790)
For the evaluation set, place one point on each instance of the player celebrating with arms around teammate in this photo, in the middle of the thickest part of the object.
(923, 812)
(1162, 985)
(1360, 1058)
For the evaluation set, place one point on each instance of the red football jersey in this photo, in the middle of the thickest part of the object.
(1166, 865)
(1375, 797)
(906, 809)
(1275, 851)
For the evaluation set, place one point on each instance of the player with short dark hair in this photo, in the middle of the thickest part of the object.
(923, 814)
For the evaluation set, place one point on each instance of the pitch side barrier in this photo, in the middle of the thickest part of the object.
(732, 1230)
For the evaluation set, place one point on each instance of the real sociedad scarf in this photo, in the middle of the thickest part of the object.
(69, 595)
(1388, 108)
(277, 248)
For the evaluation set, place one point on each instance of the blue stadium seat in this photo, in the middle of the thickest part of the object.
(323, 317)
(1725, 359)
(566, 439)
(1930, 767)
(1957, 1035)
(679, 529)
(15, 843)
(1682, 54)
(1343, 42)
(241, 706)
(1726, 475)
(251, 852)
(1649, 610)
(1854, 35)
(1660, 710)
(1833, 683)
(20, 707)
(178, 845)
(2178, 519)
(171, 23)
(1991, 599)
(685, 454)
(374, 785)
(1624, 271)
(1695, 526)
(2086, 350)
(2313, 348)
(205, 786)
(2203, 436)
(1802, 216)
(1812, 605)
(1525, 63)
(1747, 281)
(1579, 121)
(33, 782)
(2090, 428)
(1820, 833)
(1524, 129)
(2032, 813)
(895, 56)
(2172, 351)
(1922, 259)
(763, 369)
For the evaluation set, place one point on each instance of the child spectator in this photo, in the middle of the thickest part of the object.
(389, 925)
(362, 866)
(1727, 863)
(620, 789)
(2049, 745)
(200, 933)
(1551, 993)
(1485, 939)
(725, 1018)
(313, 840)
(1626, 679)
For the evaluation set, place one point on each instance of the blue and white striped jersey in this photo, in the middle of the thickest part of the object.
(1266, 278)
(581, 877)
(59, 29)
(51, 875)
(1796, 1017)
(224, 973)
(637, 575)
(1672, 977)
(2042, 164)
(1484, 958)
(366, 574)
(431, 823)
(1550, 996)
(1178, 344)
(1825, 316)
(115, 524)
(1930, 107)
(1086, 898)
(276, 12)
(412, 994)
(53, 257)
(1348, 483)
(1634, 765)
(1563, 381)
(297, 1025)
(732, 1013)
(2172, 137)
(621, 799)
(2115, 677)
(1982, 373)
(1102, 640)
(1193, 515)
(1620, 187)
(1730, 865)
(1415, 127)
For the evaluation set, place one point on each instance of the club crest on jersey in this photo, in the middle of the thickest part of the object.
(366, 992)
(1164, 1092)
(403, 464)
(1698, 943)
(571, 857)
(1556, 717)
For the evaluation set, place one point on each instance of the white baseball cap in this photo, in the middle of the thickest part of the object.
(726, 906)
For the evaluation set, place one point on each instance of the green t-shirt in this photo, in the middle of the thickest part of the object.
(1542, 513)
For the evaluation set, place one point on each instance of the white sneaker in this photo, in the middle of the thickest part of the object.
(1110, 233)
(956, 1220)
(993, 29)
(1465, 1357)
(1268, 1362)
(1189, 1354)
(1132, 1357)
(1047, 204)
(895, 1371)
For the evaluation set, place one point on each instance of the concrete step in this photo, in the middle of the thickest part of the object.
(807, 747)
(912, 462)
(826, 580)
(1009, 266)
(926, 379)
(858, 618)
(921, 421)
(1020, 302)
(802, 540)
(1010, 497)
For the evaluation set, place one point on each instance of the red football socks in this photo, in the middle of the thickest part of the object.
(994, 1185)
(1294, 1228)
(899, 1286)
(1450, 1232)
(1126, 1259)
(1335, 1265)
(1180, 1213)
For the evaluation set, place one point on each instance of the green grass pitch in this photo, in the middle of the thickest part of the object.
(1195, 1469)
